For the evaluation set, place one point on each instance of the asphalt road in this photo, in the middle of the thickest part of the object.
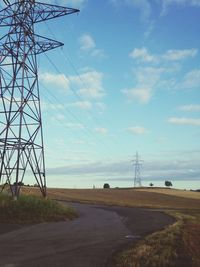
(88, 241)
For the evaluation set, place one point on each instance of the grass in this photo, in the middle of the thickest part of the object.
(32, 209)
(177, 245)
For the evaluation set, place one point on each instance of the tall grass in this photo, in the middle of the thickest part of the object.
(32, 209)
(168, 248)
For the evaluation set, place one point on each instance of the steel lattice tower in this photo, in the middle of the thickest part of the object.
(137, 165)
(21, 136)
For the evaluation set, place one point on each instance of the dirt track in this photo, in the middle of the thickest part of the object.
(88, 241)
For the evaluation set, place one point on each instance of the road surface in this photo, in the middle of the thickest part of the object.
(88, 241)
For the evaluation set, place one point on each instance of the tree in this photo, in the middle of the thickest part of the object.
(105, 186)
(19, 183)
(168, 183)
(151, 184)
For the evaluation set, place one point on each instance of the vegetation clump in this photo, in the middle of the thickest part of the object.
(175, 246)
(168, 183)
(106, 186)
(32, 209)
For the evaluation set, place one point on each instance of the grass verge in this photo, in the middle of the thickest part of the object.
(177, 245)
(32, 209)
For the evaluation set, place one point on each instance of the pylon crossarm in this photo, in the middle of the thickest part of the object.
(41, 12)
(36, 45)
(44, 11)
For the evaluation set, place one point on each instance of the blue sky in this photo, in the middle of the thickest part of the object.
(127, 80)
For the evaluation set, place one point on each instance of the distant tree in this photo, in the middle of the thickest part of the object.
(19, 183)
(105, 186)
(151, 184)
(168, 183)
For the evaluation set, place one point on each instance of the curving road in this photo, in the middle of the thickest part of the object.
(88, 241)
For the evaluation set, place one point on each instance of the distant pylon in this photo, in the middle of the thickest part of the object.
(21, 134)
(137, 165)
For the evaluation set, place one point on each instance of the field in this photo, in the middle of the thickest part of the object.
(148, 198)
(177, 245)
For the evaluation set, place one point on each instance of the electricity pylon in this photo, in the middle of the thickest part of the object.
(21, 135)
(137, 165)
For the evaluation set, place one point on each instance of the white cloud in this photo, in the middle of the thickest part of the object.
(101, 105)
(147, 80)
(138, 130)
(142, 95)
(175, 55)
(143, 55)
(90, 85)
(48, 106)
(55, 80)
(183, 2)
(59, 117)
(62, 119)
(74, 125)
(82, 105)
(150, 28)
(167, 3)
(148, 77)
(101, 130)
(143, 6)
(88, 45)
(98, 53)
(184, 121)
(161, 140)
(78, 142)
(190, 108)
(91, 93)
(120, 170)
(191, 79)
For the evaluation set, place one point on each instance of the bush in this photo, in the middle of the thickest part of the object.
(168, 183)
(105, 186)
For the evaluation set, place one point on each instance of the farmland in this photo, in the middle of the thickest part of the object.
(145, 198)
(177, 245)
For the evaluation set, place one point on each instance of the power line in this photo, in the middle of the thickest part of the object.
(84, 128)
(67, 59)
(65, 77)
(91, 114)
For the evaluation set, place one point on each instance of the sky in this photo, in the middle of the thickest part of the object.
(126, 80)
